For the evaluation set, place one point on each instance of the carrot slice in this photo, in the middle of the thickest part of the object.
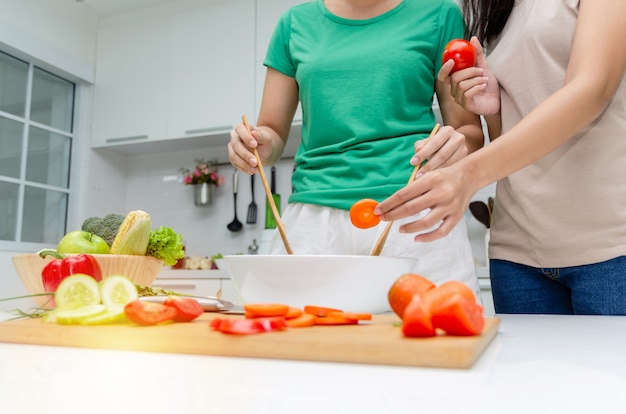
(352, 315)
(319, 310)
(335, 320)
(305, 319)
(293, 312)
(362, 213)
(258, 310)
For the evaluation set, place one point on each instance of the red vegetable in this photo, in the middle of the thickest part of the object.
(459, 316)
(187, 309)
(63, 266)
(461, 52)
(416, 321)
(149, 313)
(248, 326)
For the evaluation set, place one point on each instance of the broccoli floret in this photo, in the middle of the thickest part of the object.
(105, 227)
(110, 225)
(92, 225)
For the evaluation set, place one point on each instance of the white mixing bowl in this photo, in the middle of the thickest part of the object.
(349, 283)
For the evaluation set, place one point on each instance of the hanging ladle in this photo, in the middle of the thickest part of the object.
(235, 225)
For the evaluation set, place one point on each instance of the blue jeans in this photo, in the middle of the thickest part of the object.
(594, 289)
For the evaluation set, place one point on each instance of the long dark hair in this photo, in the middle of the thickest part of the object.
(486, 18)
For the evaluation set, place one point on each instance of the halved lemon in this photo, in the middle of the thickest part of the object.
(76, 291)
(117, 290)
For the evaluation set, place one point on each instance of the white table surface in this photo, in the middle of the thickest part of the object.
(536, 364)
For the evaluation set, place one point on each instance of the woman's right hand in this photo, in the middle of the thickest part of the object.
(475, 88)
(242, 142)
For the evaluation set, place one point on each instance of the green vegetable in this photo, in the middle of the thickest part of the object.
(105, 227)
(167, 245)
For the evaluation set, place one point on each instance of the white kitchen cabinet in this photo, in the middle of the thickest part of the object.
(191, 286)
(130, 94)
(177, 79)
(212, 73)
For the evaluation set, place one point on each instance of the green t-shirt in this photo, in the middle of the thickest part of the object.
(366, 90)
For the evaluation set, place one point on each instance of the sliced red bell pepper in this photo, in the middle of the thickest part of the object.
(149, 313)
(187, 309)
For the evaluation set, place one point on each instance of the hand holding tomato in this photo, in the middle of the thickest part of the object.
(461, 52)
(477, 90)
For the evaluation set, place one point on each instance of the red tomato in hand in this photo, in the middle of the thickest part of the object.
(461, 52)
(187, 309)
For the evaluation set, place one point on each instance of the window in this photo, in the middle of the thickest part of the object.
(36, 118)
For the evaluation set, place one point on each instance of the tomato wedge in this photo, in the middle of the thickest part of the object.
(362, 213)
(417, 320)
(187, 309)
(459, 316)
(404, 288)
(148, 313)
(257, 310)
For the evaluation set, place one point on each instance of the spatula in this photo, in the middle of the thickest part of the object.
(378, 247)
(268, 192)
(252, 208)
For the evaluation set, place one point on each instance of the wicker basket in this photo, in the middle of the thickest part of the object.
(142, 270)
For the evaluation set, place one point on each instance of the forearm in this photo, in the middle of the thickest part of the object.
(543, 130)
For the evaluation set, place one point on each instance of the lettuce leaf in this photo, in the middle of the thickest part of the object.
(167, 245)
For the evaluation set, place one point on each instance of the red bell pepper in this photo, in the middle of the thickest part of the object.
(63, 266)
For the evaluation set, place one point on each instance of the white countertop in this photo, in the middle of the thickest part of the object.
(536, 364)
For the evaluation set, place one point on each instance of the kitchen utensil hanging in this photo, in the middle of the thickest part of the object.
(378, 247)
(252, 208)
(235, 225)
(268, 193)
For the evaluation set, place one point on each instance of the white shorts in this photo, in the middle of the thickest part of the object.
(314, 229)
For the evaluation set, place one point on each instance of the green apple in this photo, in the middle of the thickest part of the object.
(82, 242)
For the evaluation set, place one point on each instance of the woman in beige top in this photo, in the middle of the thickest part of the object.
(552, 89)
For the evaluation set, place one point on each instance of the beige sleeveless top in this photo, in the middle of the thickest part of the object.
(569, 208)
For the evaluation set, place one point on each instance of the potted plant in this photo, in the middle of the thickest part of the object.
(204, 177)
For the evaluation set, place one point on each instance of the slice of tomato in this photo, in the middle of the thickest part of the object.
(187, 309)
(459, 316)
(149, 313)
(319, 310)
(257, 310)
(362, 213)
(417, 320)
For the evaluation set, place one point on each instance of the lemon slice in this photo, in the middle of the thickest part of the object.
(117, 290)
(113, 314)
(78, 315)
(76, 291)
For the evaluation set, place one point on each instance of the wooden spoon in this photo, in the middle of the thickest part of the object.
(268, 192)
(378, 247)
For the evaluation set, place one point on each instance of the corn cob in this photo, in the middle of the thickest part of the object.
(133, 235)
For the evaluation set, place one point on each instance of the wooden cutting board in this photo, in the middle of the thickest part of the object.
(376, 342)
